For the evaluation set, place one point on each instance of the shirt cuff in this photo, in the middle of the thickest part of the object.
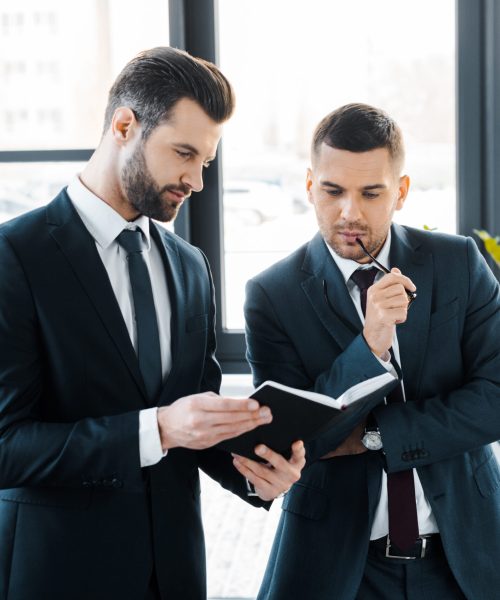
(387, 364)
(250, 488)
(150, 450)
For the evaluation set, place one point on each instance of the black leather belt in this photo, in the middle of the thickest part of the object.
(426, 545)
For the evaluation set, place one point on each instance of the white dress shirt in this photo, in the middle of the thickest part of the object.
(426, 521)
(104, 225)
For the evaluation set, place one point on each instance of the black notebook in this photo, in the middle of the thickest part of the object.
(303, 415)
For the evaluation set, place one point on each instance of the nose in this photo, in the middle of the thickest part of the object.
(194, 178)
(351, 211)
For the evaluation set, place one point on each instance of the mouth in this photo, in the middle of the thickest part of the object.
(175, 197)
(351, 236)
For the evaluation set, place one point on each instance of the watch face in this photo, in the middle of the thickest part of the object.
(372, 440)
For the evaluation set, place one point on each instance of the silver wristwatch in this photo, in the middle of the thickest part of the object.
(372, 440)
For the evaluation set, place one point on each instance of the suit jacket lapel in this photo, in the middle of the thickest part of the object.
(338, 314)
(413, 333)
(80, 250)
(341, 318)
(176, 289)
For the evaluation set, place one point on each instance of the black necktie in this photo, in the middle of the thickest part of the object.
(403, 520)
(148, 339)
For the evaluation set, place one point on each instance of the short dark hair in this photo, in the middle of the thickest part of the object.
(155, 80)
(359, 128)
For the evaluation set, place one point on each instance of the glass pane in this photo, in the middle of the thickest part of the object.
(24, 186)
(310, 59)
(58, 60)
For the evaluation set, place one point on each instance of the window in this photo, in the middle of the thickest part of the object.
(56, 66)
(24, 186)
(59, 63)
(324, 57)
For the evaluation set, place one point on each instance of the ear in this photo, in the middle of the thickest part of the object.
(124, 125)
(309, 183)
(404, 186)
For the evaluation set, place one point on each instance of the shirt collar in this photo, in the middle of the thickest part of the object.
(348, 266)
(102, 221)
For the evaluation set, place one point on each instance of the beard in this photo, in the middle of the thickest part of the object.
(144, 194)
(372, 241)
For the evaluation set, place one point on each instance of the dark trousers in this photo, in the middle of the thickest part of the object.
(153, 592)
(428, 578)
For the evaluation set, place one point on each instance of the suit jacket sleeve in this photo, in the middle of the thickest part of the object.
(34, 452)
(272, 355)
(444, 425)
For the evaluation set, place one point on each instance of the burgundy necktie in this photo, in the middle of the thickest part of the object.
(403, 521)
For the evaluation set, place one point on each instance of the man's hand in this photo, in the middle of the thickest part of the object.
(278, 475)
(203, 420)
(351, 445)
(386, 307)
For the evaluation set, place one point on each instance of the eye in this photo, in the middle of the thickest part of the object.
(183, 154)
(370, 195)
(334, 193)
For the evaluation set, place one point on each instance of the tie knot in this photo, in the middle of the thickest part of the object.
(364, 278)
(130, 240)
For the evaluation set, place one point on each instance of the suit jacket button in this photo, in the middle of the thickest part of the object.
(116, 483)
(86, 484)
(406, 456)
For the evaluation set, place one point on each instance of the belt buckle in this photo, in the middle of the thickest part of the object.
(422, 550)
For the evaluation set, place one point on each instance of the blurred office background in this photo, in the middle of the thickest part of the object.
(434, 66)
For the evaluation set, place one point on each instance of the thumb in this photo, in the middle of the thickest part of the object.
(395, 270)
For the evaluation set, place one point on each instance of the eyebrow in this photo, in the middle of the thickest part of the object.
(374, 186)
(193, 151)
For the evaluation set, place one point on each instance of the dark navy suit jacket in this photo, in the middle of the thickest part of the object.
(450, 352)
(79, 518)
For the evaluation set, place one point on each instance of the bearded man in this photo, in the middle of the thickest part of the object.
(108, 376)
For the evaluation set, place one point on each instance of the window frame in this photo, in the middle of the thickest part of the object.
(478, 100)
(194, 27)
